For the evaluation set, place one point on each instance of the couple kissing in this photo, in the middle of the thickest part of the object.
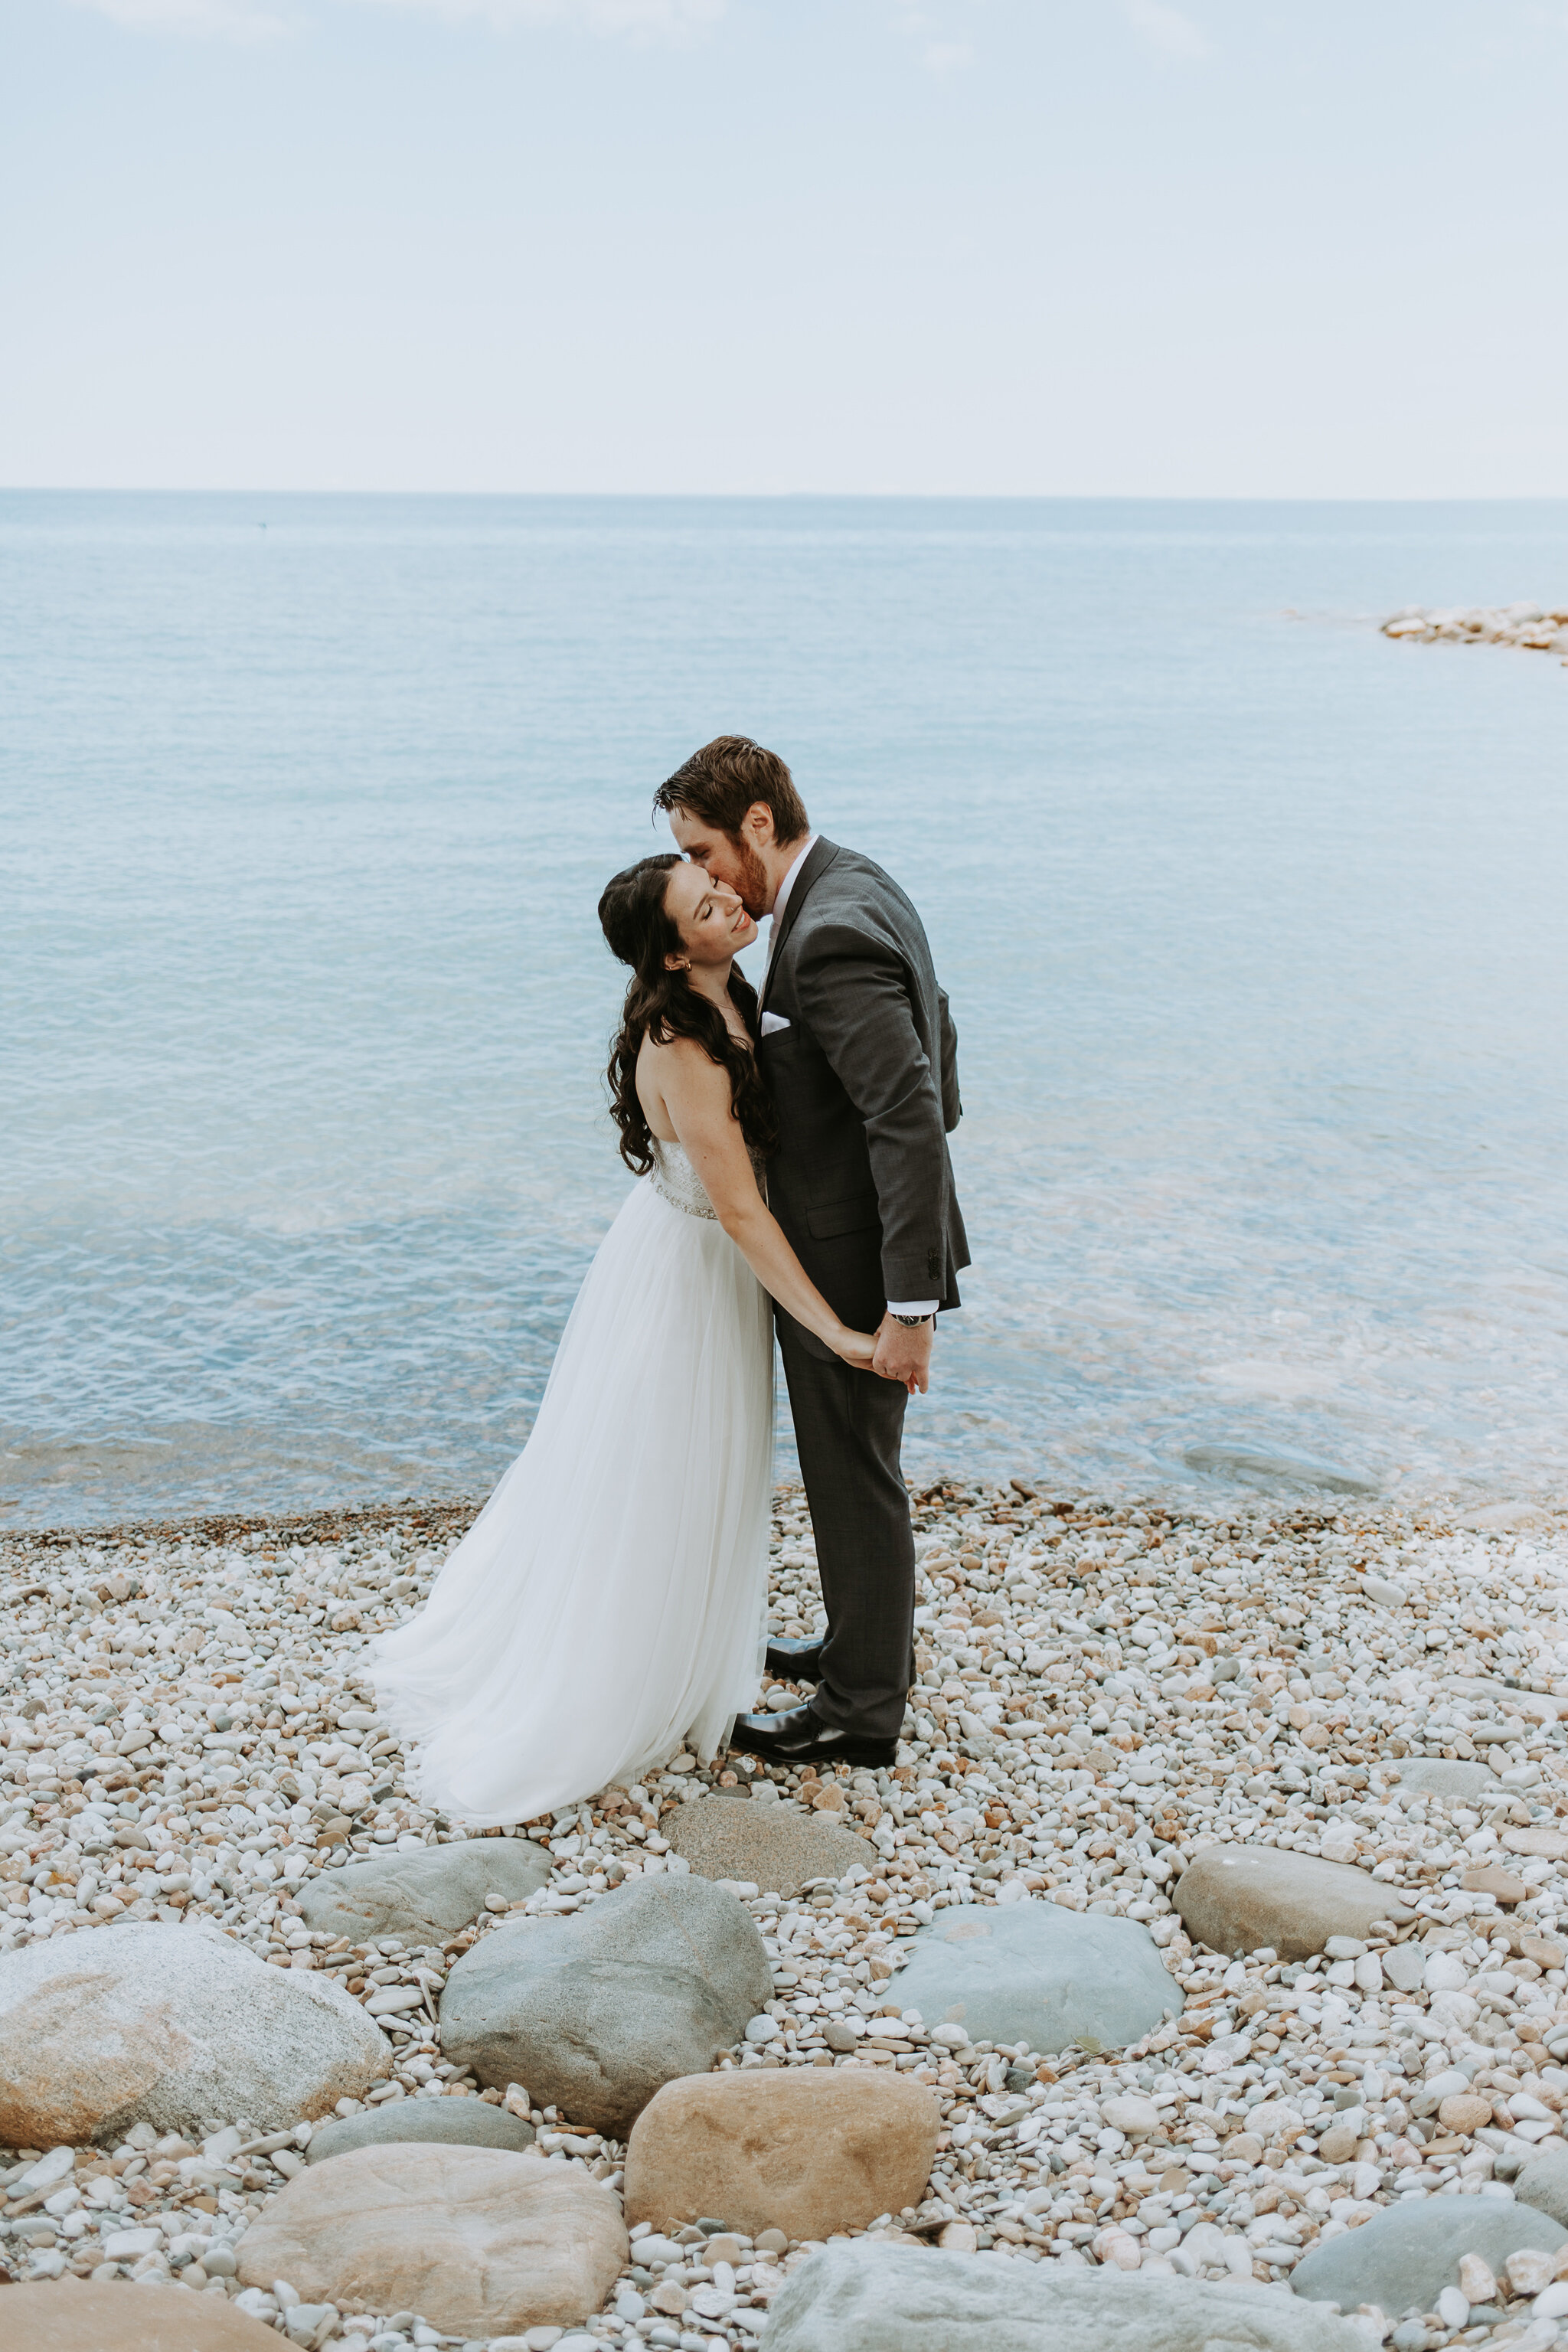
(608, 1603)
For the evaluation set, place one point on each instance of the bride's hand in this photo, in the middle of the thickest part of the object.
(856, 1348)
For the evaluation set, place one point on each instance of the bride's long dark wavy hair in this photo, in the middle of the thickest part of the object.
(661, 1005)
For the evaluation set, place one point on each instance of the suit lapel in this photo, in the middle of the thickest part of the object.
(817, 860)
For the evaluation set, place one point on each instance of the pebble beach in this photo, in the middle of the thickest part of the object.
(1268, 1798)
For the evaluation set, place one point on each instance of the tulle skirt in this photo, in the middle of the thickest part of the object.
(609, 1602)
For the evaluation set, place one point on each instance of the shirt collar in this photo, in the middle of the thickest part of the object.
(781, 898)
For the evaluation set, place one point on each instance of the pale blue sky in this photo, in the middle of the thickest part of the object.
(987, 246)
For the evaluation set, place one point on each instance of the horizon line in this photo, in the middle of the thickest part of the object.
(973, 498)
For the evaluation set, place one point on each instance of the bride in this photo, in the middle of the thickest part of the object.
(609, 1599)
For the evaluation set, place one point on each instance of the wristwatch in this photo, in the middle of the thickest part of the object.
(911, 1322)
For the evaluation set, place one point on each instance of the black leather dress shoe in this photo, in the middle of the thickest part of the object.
(799, 1737)
(795, 1661)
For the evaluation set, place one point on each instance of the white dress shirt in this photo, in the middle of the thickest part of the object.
(780, 896)
(781, 900)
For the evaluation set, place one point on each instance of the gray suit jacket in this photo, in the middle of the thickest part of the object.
(865, 1081)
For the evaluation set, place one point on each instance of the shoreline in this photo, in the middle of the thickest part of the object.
(442, 1515)
(438, 1515)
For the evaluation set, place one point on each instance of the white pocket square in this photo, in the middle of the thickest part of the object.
(772, 1022)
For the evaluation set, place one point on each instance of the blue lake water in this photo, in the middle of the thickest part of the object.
(1252, 923)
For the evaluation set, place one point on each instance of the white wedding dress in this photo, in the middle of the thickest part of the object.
(608, 1602)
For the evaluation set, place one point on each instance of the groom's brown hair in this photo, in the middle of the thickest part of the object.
(727, 777)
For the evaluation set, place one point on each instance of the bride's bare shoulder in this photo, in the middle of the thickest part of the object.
(677, 1054)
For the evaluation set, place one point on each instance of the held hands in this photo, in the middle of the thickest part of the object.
(856, 1348)
(896, 1352)
(903, 1353)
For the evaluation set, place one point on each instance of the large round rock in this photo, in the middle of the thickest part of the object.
(480, 2242)
(448, 2122)
(597, 2013)
(427, 1897)
(1040, 1974)
(792, 2148)
(1239, 1898)
(102, 2316)
(1410, 2251)
(775, 1847)
(1544, 2183)
(1441, 1776)
(864, 2297)
(162, 2025)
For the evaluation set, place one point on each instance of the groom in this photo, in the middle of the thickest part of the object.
(860, 1056)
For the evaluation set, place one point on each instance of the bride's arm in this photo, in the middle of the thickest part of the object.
(696, 1094)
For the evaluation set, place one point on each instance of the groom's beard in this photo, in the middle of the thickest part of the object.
(751, 884)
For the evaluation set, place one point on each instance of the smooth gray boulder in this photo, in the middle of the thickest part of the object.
(865, 2297)
(1442, 1776)
(424, 1896)
(1410, 2251)
(1038, 1973)
(1238, 1899)
(1543, 2184)
(777, 1848)
(597, 2013)
(455, 2123)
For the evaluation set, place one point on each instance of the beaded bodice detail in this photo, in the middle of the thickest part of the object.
(675, 1179)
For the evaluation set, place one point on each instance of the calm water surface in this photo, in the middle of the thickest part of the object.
(1252, 923)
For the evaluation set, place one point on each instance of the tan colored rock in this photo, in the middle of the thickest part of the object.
(1338, 2145)
(1477, 2280)
(1243, 2148)
(1238, 1899)
(808, 2151)
(168, 2025)
(480, 2242)
(1530, 2271)
(775, 1847)
(118, 2315)
(1546, 1845)
(1487, 1878)
(1466, 2111)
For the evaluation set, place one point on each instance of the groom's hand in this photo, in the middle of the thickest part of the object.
(903, 1353)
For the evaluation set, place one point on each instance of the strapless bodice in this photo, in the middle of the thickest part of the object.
(675, 1179)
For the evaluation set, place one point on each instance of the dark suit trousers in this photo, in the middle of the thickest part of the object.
(848, 1428)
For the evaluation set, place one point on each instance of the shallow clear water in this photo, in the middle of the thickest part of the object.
(1252, 924)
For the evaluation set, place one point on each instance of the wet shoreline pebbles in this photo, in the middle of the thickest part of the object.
(1283, 1787)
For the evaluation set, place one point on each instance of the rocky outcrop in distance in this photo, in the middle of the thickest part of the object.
(1535, 628)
